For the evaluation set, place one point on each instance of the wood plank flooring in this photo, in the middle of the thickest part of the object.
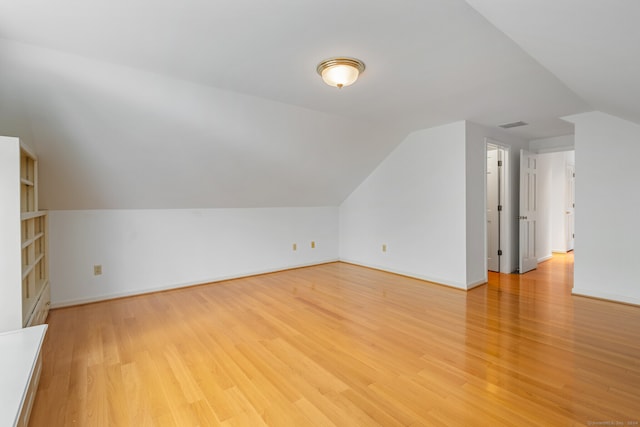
(341, 345)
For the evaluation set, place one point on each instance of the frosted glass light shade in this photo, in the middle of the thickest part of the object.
(340, 72)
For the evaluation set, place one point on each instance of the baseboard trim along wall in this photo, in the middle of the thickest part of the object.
(545, 258)
(435, 281)
(140, 251)
(477, 283)
(106, 297)
(590, 293)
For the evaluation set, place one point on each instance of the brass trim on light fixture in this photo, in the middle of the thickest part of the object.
(340, 61)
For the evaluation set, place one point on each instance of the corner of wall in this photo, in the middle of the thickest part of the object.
(603, 180)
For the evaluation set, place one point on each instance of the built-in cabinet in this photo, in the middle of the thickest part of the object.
(24, 279)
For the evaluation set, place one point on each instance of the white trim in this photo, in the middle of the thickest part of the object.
(605, 296)
(545, 258)
(106, 297)
(434, 280)
(559, 149)
(484, 203)
(477, 283)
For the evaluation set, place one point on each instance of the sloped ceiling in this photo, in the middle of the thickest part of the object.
(216, 103)
(591, 46)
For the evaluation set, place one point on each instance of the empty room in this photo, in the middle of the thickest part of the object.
(297, 213)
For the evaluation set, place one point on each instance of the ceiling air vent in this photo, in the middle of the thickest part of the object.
(513, 125)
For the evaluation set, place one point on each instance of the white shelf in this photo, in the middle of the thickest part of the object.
(29, 215)
(31, 240)
(29, 305)
(26, 269)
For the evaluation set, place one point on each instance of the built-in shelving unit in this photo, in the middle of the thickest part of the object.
(35, 279)
(24, 247)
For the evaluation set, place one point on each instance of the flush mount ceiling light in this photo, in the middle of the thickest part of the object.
(340, 72)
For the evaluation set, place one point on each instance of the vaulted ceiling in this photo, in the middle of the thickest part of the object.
(591, 46)
(216, 103)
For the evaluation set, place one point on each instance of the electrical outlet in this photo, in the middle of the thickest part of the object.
(295, 247)
(313, 245)
(97, 270)
(384, 248)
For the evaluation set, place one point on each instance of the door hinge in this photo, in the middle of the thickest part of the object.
(574, 174)
(499, 208)
(499, 163)
(499, 252)
(573, 205)
(573, 235)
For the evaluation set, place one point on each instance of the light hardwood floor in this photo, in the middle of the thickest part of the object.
(342, 345)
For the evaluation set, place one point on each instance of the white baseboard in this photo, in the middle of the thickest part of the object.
(605, 296)
(545, 258)
(435, 280)
(105, 297)
(477, 283)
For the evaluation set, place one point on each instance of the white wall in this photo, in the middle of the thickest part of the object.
(426, 202)
(145, 250)
(607, 207)
(476, 203)
(414, 202)
(10, 239)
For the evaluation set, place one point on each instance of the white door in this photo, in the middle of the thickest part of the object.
(570, 206)
(528, 211)
(493, 200)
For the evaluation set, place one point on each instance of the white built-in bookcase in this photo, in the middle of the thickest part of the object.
(24, 279)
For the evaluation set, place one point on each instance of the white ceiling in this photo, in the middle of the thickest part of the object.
(216, 103)
(592, 46)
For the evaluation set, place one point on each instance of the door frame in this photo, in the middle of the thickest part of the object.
(507, 211)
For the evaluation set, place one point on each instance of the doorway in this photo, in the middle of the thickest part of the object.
(555, 204)
(502, 205)
(497, 241)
